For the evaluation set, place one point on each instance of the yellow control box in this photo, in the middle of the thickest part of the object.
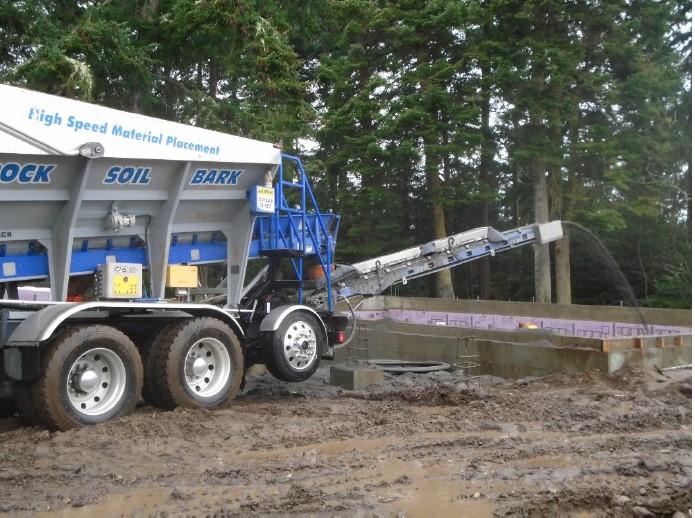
(179, 276)
(118, 281)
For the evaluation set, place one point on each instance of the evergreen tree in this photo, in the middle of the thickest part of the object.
(430, 117)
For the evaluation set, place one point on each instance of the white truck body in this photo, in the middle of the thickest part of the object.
(37, 123)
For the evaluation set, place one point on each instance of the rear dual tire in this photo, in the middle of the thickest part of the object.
(196, 363)
(93, 373)
(90, 374)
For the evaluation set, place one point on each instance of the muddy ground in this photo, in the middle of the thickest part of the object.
(416, 445)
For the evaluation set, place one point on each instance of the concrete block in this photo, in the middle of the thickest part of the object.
(355, 376)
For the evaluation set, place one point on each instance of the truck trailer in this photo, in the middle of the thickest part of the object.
(129, 209)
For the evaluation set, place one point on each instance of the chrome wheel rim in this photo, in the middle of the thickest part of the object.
(299, 345)
(207, 367)
(96, 382)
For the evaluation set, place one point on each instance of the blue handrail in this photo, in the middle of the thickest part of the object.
(295, 229)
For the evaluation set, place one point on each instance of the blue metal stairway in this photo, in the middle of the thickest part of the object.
(297, 230)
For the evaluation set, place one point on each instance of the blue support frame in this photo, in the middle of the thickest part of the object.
(298, 232)
(87, 260)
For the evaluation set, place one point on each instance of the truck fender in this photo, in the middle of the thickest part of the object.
(41, 325)
(272, 320)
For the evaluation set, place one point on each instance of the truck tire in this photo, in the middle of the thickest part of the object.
(293, 352)
(198, 363)
(148, 346)
(90, 374)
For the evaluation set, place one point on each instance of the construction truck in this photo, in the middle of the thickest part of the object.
(118, 214)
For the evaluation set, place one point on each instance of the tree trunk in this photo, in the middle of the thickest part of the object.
(689, 181)
(484, 290)
(213, 80)
(563, 280)
(487, 158)
(538, 165)
(540, 206)
(443, 286)
(563, 275)
(542, 252)
(563, 287)
(446, 170)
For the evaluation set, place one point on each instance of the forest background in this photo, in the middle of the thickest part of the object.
(420, 118)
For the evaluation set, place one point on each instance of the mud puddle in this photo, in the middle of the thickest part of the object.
(417, 445)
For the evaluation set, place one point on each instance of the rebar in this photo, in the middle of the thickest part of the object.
(359, 351)
(467, 361)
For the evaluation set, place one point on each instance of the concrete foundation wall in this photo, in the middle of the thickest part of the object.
(516, 353)
(513, 354)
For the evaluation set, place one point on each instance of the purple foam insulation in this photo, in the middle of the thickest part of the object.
(583, 328)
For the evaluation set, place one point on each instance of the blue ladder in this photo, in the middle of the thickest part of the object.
(298, 230)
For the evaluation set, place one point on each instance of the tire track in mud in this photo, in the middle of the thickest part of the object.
(561, 445)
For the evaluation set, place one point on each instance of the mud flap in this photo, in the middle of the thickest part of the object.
(22, 363)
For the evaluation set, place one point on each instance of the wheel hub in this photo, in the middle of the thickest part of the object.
(207, 367)
(87, 380)
(199, 367)
(96, 381)
(299, 345)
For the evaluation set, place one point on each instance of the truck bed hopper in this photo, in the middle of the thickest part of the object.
(82, 185)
